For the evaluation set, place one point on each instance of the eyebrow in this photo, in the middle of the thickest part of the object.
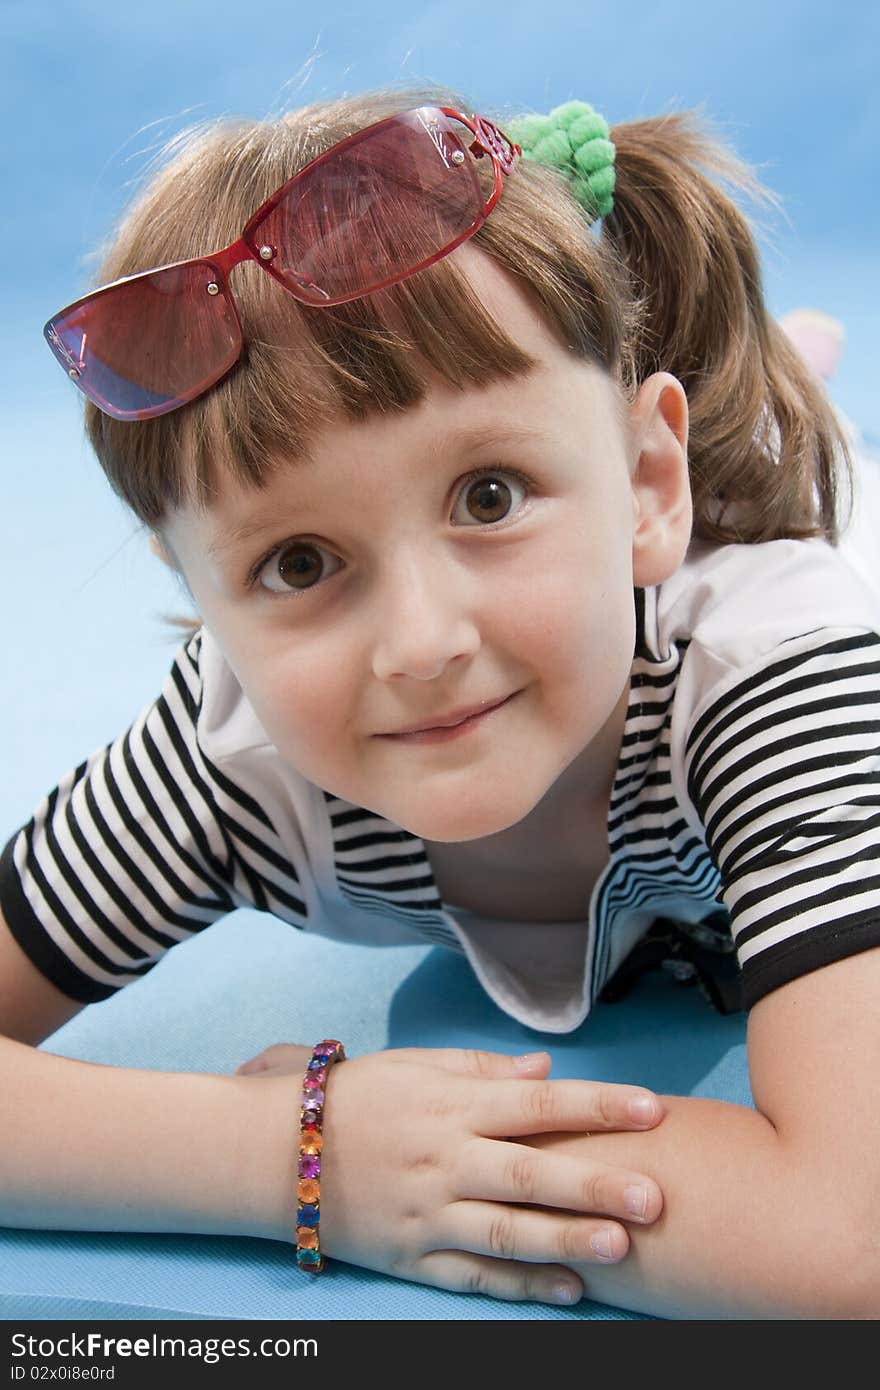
(455, 441)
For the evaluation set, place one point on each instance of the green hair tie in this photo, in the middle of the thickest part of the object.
(575, 140)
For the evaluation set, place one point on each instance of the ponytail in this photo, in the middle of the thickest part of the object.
(765, 444)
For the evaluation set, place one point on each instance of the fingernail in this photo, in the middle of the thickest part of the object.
(528, 1060)
(636, 1201)
(600, 1243)
(642, 1109)
(565, 1293)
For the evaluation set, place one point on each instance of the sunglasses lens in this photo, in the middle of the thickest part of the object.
(143, 346)
(387, 203)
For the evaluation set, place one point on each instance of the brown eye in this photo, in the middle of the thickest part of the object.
(490, 498)
(296, 566)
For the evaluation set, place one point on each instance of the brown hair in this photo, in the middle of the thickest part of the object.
(672, 283)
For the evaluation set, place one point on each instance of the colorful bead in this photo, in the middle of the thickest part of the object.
(308, 1188)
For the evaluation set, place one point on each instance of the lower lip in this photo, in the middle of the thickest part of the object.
(440, 735)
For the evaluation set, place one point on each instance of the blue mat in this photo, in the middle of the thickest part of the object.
(223, 996)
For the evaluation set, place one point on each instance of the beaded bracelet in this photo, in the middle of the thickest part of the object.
(311, 1142)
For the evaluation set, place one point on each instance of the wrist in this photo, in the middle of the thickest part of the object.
(269, 1154)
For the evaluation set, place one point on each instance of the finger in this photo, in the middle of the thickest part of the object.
(537, 1107)
(520, 1234)
(471, 1061)
(493, 1171)
(461, 1272)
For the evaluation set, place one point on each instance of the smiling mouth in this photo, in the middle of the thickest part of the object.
(453, 723)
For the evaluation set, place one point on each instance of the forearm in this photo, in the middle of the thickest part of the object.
(747, 1231)
(90, 1147)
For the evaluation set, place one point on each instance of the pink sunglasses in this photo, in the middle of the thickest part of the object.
(371, 211)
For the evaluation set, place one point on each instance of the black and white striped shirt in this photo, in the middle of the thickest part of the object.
(747, 794)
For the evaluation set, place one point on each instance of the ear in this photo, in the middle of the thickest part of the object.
(161, 552)
(161, 548)
(663, 513)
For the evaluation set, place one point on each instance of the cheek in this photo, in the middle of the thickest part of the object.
(305, 695)
(575, 609)
(306, 699)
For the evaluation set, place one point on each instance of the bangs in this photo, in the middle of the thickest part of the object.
(304, 368)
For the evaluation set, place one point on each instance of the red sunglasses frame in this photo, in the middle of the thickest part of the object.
(488, 140)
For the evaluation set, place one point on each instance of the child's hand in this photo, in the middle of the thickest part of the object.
(420, 1180)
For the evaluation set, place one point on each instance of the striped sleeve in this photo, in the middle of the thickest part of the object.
(138, 848)
(784, 771)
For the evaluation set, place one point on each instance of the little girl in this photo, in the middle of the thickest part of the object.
(512, 522)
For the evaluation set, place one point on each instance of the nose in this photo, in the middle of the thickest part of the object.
(424, 620)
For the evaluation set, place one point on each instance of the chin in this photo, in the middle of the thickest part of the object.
(460, 823)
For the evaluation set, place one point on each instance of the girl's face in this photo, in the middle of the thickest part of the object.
(476, 548)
